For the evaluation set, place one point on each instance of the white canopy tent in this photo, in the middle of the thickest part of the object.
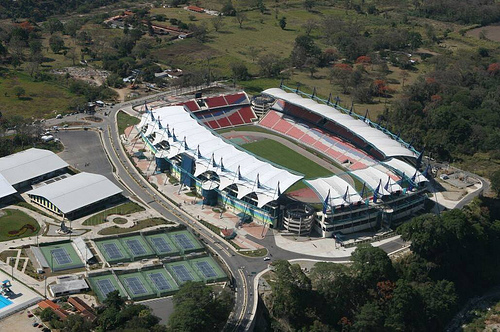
(381, 141)
(335, 191)
(210, 152)
(408, 170)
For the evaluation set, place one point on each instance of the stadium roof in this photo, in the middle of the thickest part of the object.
(185, 134)
(403, 168)
(5, 188)
(335, 191)
(380, 141)
(374, 177)
(29, 164)
(77, 191)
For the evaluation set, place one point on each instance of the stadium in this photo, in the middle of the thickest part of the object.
(358, 175)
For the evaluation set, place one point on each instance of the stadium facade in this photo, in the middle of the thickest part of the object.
(381, 183)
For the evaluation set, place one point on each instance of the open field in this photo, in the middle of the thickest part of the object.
(122, 209)
(286, 157)
(41, 100)
(124, 120)
(15, 224)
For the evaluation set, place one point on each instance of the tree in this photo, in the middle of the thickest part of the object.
(340, 74)
(495, 181)
(56, 43)
(309, 26)
(282, 23)
(240, 71)
(228, 9)
(240, 18)
(370, 318)
(372, 265)
(19, 91)
(198, 308)
(218, 22)
(53, 25)
(309, 4)
(47, 314)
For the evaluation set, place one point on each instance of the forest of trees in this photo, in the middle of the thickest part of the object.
(41, 10)
(454, 257)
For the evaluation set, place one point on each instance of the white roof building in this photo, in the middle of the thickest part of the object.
(408, 170)
(379, 140)
(185, 135)
(5, 188)
(29, 164)
(77, 191)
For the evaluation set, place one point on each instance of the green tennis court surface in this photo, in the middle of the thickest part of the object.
(61, 256)
(136, 285)
(162, 244)
(104, 284)
(207, 269)
(182, 272)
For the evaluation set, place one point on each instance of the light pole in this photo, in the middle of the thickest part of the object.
(45, 288)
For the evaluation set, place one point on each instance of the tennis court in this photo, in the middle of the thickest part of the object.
(113, 251)
(104, 284)
(182, 272)
(61, 256)
(161, 281)
(185, 241)
(208, 269)
(136, 247)
(162, 244)
(136, 285)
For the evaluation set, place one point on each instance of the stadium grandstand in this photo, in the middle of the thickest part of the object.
(379, 182)
(194, 154)
(223, 111)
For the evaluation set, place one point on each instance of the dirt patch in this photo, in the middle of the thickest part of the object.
(93, 119)
(492, 32)
(87, 74)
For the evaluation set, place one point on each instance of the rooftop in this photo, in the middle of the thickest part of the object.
(77, 191)
(29, 164)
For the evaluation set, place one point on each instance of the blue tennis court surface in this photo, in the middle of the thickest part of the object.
(136, 247)
(61, 256)
(106, 286)
(160, 282)
(182, 273)
(206, 269)
(135, 285)
(112, 250)
(184, 241)
(161, 245)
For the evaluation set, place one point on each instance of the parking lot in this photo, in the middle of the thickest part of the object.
(83, 150)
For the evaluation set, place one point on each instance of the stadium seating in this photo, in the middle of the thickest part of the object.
(317, 138)
(214, 102)
(192, 106)
(236, 99)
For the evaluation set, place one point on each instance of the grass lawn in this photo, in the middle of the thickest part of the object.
(122, 209)
(124, 121)
(140, 225)
(41, 100)
(15, 224)
(286, 157)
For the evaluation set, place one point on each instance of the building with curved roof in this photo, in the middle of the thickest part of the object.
(195, 154)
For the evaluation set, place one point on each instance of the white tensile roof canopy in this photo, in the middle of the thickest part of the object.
(335, 191)
(185, 135)
(382, 142)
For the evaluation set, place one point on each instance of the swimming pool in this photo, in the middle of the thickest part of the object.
(4, 302)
